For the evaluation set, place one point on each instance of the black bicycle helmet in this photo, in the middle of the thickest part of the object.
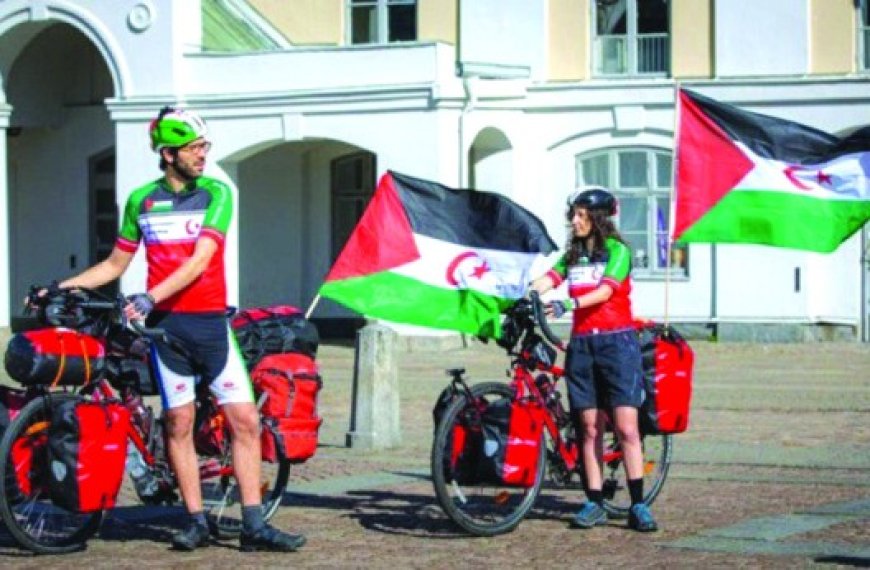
(592, 198)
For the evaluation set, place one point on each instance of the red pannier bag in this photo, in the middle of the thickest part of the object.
(29, 456)
(28, 451)
(54, 356)
(289, 384)
(87, 449)
(211, 437)
(503, 448)
(11, 402)
(667, 376)
(523, 450)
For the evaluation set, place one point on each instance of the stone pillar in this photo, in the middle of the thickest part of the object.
(374, 415)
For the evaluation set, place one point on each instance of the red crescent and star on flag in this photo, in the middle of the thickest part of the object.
(821, 178)
(479, 267)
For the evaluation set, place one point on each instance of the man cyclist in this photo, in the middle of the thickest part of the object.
(183, 218)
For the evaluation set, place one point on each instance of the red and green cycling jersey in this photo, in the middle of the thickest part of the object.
(170, 223)
(610, 266)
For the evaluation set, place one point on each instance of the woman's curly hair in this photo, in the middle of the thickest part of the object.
(602, 228)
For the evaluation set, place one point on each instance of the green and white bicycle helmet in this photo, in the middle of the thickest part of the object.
(175, 128)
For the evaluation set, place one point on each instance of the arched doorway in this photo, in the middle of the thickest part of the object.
(60, 153)
(298, 202)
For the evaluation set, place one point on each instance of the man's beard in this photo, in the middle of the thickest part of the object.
(185, 173)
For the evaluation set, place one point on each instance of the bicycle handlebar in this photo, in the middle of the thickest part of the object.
(53, 305)
(541, 320)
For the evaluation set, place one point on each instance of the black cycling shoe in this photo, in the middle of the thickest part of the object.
(192, 537)
(270, 539)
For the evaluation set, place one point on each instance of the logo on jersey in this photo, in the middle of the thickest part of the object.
(585, 275)
(171, 226)
(192, 227)
(158, 205)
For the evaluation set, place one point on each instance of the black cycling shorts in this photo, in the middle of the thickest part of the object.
(603, 370)
(214, 358)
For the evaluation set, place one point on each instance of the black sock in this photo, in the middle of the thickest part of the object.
(635, 490)
(199, 518)
(252, 518)
(596, 496)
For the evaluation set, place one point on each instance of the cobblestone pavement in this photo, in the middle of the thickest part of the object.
(774, 472)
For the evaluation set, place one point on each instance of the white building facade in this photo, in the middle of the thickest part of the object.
(308, 102)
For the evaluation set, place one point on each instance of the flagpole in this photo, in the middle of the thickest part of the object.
(672, 205)
(312, 305)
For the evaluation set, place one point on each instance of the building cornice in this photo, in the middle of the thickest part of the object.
(342, 100)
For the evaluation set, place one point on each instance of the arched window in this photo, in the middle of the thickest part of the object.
(641, 180)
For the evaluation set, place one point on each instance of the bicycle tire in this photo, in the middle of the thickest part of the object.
(482, 509)
(32, 519)
(221, 499)
(657, 453)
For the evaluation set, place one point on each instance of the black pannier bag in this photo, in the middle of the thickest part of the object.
(261, 331)
(128, 366)
(87, 450)
(667, 376)
(55, 357)
(502, 447)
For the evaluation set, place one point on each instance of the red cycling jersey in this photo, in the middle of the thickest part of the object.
(611, 266)
(170, 223)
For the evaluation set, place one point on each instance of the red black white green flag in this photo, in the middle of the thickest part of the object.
(425, 254)
(744, 177)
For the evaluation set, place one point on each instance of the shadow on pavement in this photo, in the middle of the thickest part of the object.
(415, 514)
(856, 561)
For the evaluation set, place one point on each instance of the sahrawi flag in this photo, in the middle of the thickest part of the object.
(425, 254)
(748, 178)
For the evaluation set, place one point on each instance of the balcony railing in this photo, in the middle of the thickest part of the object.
(652, 53)
(644, 54)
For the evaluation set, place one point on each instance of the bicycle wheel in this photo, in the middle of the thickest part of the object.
(657, 450)
(479, 507)
(26, 509)
(221, 499)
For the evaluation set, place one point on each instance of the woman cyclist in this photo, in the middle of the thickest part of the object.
(603, 362)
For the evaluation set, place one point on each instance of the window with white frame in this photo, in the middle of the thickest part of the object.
(631, 37)
(640, 178)
(382, 21)
(864, 34)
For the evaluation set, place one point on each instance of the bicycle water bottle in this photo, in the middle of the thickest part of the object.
(143, 479)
